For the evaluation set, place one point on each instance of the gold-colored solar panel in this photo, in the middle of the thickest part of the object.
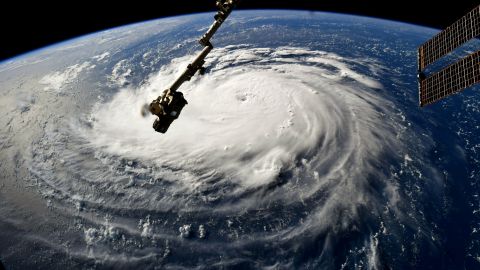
(455, 77)
(451, 79)
(458, 33)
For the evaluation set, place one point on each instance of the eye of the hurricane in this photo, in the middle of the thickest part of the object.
(262, 125)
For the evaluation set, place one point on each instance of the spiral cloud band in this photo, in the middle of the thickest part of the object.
(274, 145)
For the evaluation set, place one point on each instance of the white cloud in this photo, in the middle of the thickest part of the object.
(101, 57)
(57, 80)
(120, 73)
(249, 119)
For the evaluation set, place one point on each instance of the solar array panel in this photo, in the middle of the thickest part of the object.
(451, 79)
(457, 76)
(446, 41)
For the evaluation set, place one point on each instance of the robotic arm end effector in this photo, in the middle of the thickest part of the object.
(167, 107)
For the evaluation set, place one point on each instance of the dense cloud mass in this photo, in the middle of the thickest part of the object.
(260, 118)
(287, 141)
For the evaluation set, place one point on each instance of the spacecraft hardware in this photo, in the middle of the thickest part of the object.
(169, 105)
(455, 77)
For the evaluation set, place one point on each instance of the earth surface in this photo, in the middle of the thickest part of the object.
(303, 146)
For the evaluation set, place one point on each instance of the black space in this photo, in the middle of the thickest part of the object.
(27, 26)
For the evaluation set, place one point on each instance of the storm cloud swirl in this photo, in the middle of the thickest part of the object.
(277, 151)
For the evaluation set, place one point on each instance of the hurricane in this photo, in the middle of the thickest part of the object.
(278, 150)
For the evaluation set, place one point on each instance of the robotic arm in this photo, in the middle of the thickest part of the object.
(169, 105)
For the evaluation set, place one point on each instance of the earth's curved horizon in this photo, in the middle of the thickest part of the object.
(302, 147)
(206, 14)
